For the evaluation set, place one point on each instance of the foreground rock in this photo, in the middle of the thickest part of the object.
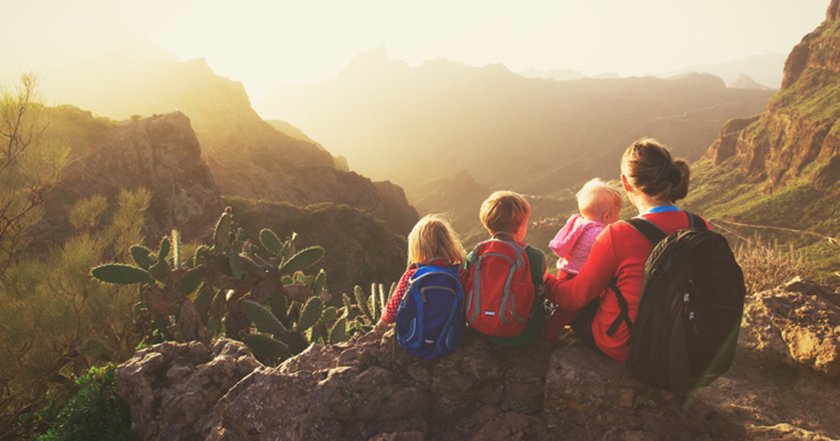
(172, 388)
(369, 389)
(798, 322)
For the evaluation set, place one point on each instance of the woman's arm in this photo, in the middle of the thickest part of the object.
(594, 277)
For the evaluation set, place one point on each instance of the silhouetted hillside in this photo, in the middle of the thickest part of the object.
(247, 156)
(537, 136)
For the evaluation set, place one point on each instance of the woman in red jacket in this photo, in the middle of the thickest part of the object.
(653, 183)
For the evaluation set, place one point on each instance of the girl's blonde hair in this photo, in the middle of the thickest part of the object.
(597, 198)
(432, 237)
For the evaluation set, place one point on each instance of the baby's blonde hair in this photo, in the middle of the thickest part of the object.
(504, 211)
(597, 198)
(432, 237)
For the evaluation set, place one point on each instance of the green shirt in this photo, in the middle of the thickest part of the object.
(536, 259)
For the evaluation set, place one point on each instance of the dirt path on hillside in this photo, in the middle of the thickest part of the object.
(717, 223)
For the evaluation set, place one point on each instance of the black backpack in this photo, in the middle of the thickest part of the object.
(690, 308)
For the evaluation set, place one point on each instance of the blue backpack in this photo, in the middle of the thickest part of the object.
(430, 319)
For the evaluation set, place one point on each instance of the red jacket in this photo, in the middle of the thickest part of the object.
(619, 251)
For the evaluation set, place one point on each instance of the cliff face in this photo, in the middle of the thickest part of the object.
(777, 174)
(796, 139)
(160, 154)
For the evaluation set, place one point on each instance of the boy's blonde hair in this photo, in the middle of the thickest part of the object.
(504, 211)
(432, 237)
(597, 198)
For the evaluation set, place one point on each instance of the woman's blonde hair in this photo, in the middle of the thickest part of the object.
(649, 168)
(597, 198)
(504, 211)
(432, 237)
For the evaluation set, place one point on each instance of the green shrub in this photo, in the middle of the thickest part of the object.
(95, 413)
(56, 321)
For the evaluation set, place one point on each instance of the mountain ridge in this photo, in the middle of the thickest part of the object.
(464, 117)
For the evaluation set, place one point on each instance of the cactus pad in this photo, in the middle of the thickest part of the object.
(270, 241)
(142, 256)
(338, 333)
(310, 314)
(190, 281)
(362, 301)
(161, 271)
(302, 260)
(266, 347)
(165, 247)
(237, 266)
(328, 315)
(221, 237)
(120, 274)
(263, 318)
(320, 283)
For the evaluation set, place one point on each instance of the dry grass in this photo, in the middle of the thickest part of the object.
(768, 266)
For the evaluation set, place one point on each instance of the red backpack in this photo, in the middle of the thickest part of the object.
(499, 290)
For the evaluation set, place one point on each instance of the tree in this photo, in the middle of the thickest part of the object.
(30, 164)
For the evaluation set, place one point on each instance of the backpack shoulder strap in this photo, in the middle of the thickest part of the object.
(695, 221)
(647, 228)
(624, 311)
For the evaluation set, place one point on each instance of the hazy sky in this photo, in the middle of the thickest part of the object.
(267, 43)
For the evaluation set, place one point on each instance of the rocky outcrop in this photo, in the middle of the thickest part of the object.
(798, 322)
(314, 185)
(171, 388)
(370, 389)
(725, 146)
(160, 154)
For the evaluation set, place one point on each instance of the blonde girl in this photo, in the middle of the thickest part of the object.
(431, 242)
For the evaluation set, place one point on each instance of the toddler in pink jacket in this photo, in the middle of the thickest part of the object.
(599, 205)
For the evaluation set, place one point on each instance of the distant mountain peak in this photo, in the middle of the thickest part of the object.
(745, 82)
(372, 57)
(374, 60)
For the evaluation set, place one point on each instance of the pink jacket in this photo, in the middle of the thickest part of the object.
(573, 242)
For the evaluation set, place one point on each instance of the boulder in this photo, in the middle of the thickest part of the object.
(172, 388)
(798, 322)
(593, 395)
(371, 389)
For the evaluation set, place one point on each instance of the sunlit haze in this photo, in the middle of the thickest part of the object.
(264, 44)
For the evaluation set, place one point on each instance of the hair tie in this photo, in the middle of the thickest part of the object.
(664, 171)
